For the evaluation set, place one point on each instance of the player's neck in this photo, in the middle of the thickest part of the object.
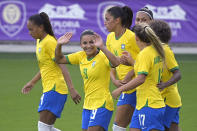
(119, 32)
(43, 36)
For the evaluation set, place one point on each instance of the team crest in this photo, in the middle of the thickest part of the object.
(93, 63)
(123, 46)
(102, 8)
(13, 17)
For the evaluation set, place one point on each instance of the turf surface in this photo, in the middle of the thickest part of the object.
(18, 112)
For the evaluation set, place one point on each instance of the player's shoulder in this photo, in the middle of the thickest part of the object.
(167, 48)
(129, 33)
(111, 35)
(50, 40)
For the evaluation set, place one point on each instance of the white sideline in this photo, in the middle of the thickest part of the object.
(13, 48)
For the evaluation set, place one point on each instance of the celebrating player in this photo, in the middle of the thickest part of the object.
(170, 76)
(94, 62)
(118, 21)
(150, 106)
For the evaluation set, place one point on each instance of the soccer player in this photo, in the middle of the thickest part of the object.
(118, 21)
(94, 62)
(150, 107)
(170, 76)
(144, 15)
(54, 87)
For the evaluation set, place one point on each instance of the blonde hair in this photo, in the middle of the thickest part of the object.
(148, 36)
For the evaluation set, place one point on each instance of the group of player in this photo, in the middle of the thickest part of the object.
(138, 61)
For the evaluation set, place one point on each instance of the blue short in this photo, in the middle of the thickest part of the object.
(171, 115)
(148, 118)
(129, 99)
(99, 117)
(53, 102)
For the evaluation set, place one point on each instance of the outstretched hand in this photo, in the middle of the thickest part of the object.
(65, 38)
(98, 41)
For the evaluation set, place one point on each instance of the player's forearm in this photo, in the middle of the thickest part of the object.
(36, 78)
(129, 76)
(133, 83)
(113, 74)
(58, 53)
(67, 77)
(174, 79)
(115, 61)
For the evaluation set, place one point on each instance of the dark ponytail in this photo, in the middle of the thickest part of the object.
(43, 19)
(127, 17)
(124, 13)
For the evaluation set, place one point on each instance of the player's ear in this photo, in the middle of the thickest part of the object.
(118, 20)
(42, 27)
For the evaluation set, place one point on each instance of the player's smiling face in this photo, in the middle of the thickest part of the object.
(87, 44)
(34, 30)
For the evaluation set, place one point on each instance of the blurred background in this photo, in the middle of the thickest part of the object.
(18, 63)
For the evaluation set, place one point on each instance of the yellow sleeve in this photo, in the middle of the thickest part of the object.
(170, 60)
(107, 43)
(143, 64)
(74, 58)
(50, 48)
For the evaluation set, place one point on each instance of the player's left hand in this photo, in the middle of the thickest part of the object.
(65, 38)
(116, 93)
(161, 86)
(75, 96)
(126, 59)
(98, 41)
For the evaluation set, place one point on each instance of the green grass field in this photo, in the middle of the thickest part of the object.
(18, 112)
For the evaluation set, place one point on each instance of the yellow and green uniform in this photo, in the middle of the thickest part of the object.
(52, 77)
(96, 76)
(170, 94)
(149, 62)
(126, 42)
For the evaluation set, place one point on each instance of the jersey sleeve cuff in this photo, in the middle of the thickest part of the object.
(67, 59)
(143, 72)
(175, 68)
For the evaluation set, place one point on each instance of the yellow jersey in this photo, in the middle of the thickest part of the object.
(96, 76)
(126, 42)
(149, 62)
(51, 74)
(170, 94)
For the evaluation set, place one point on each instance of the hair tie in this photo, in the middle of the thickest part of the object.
(145, 27)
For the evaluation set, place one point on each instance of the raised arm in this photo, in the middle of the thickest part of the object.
(59, 57)
(115, 61)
